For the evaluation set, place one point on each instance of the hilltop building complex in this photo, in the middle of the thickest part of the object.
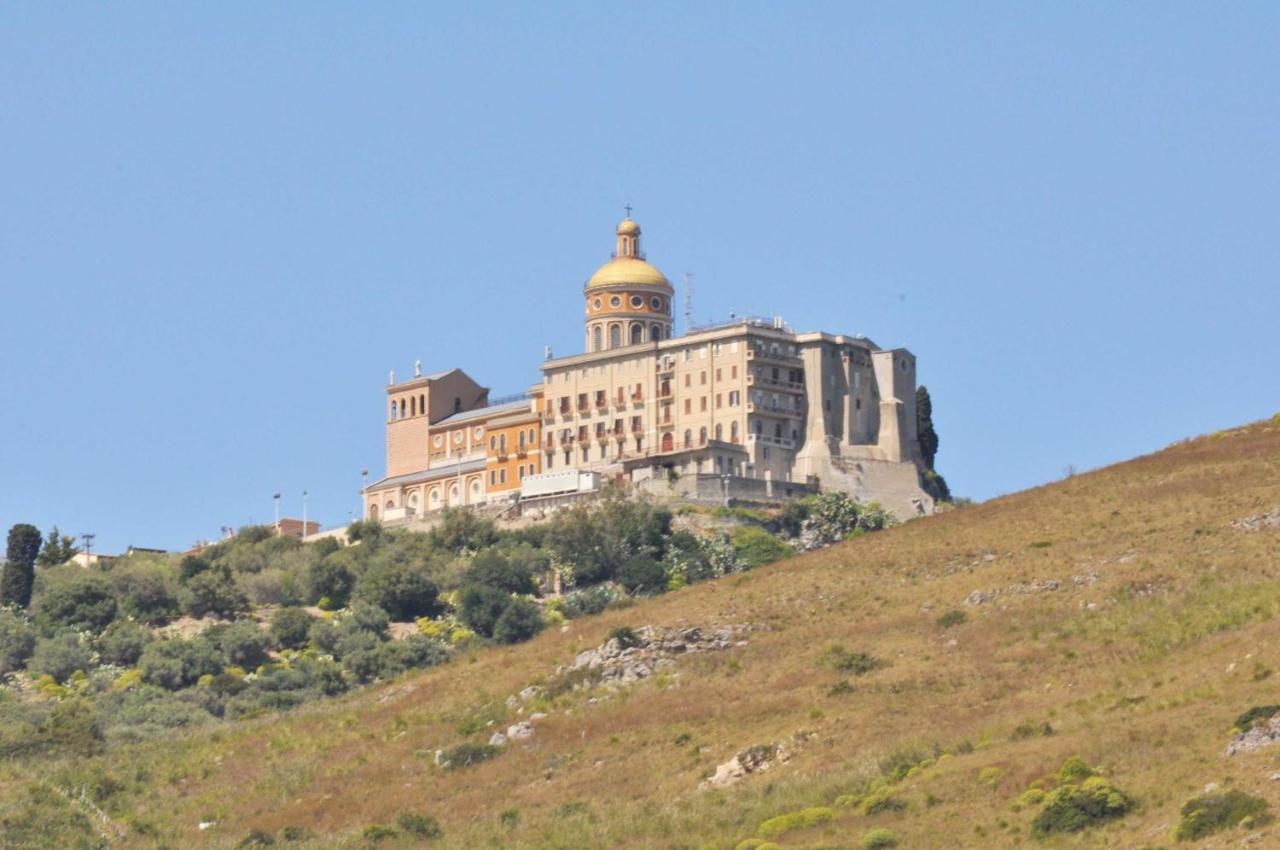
(748, 408)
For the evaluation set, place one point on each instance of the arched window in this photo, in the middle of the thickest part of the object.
(637, 333)
(615, 336)
(502, 444)
(422, 404)
(597, 338)
(719, 431)
(393, 410)
(522, 441)
(655, 333)
(733, 431)
(413, 406)
(666, 442)
(688, 438)
(390, 504)
(433, 498)
(702, 435)
(457, 405)
(453, 494)
(373, 512)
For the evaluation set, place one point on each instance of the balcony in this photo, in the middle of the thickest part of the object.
(776, 409)
(769, 355)
(765, 439)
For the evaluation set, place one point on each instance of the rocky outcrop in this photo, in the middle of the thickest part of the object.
(751, 760)
(625, 661)
(1258, 522)
(1262, 734)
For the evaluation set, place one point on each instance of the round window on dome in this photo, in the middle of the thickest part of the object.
(596, 304)
(637, 302)
(615, 302)
(479, 432)
(656, 302)
(439, 441)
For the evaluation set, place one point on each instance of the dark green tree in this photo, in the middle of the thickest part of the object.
(932, 481)
(20, 565)
(520, 620)
(58, 549)
(927, 436)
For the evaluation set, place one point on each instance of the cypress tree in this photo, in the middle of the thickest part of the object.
(924, 426)
(20, 566)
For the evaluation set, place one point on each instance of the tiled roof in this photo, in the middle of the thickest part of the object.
(483, 412)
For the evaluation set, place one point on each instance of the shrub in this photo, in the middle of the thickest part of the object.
(1255, 714)
(419, 826)
(214, 591)
(244, 644)
(1072, 808)
(378, 832)
(1210, 813)
(625, 636)
(17, 641)
(290, 626)
(463, 530)
(61, 656)
(882, 800)
(952, 618)
(879, 839)
(756, 547)
(1074, 769)
(467, 754)
(122, 642)
(642, 574)
(857, 663)
(72, 727)
(520, 621)
(146, 591)
(256, 838)
(178, 662)
(330, 579)
(72, 598)
(404, 591)
(480, 607)
(492, 569)
(802, 819)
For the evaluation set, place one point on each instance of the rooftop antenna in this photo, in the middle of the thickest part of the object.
(688, 302)
(87, 537)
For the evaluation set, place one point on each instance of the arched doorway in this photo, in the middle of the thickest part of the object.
(668, 442)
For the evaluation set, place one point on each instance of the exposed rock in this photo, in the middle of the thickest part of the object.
(497, 739)
(654, 648)
(1258, 522)
(1260, 735)
(976, 598)
(520, 731)
(755, 759)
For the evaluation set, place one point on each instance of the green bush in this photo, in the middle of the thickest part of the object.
(642, 574)
(146, 590)
(952, 618)
(1210, 813)
(756, 547)
(72, 598)
(177, 662)
(803, 819)
(1071, 808)
(378, 832)
(846, 661)
(494, 569)
(467, 754)
(291, 626)
(405, 591)
(214, 592)
(879, 839)
(1255, 714)
(520, 620)
(122, 642)
(60, 656)
(17, 641)
(1074, 769)
(244, 644)
(479, 607)
(882, 800)
(419, 826)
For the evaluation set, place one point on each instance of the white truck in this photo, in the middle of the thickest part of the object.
(558, 483)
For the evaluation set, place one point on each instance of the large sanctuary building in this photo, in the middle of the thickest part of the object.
(747, 408)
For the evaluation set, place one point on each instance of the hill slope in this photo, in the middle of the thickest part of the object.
(1118, 616)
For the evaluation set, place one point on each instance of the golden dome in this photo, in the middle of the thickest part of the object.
(627, 270)
(628, 227)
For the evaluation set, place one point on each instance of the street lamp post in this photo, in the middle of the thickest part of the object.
(364, 485)
(304, 514)
(276, 496)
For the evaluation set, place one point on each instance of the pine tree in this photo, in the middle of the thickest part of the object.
(58, 549)
(19, 569)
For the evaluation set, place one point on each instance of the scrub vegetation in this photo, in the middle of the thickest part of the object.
(1085, 698)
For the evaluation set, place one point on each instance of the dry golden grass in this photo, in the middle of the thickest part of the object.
(1144, 685)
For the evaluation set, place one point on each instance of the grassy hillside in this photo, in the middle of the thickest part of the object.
(1118, 617)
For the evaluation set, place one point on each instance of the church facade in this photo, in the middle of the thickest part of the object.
(748, 406)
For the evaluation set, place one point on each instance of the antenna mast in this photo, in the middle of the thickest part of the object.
(688, 302)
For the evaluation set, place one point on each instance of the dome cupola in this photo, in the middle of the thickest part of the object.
(628, 300)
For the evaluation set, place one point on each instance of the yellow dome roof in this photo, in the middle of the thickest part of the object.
(627, 270)
(628, 227)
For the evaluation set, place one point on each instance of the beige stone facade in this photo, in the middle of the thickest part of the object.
(748, 404)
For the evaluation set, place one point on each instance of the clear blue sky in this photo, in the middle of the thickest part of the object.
(221, 226)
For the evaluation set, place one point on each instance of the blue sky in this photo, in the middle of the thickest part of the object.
(221, 226)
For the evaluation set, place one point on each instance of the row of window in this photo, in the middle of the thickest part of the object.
(402, 408)
(636, 303)
(498, 442)
(635, 335)
(735, 399)
(702, 376)
(499, 476)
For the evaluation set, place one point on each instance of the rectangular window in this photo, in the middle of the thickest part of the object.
(718, 399)
(702, 404)
(734, 399)
(687, 379)
(702, 377)
(502, 476)
(857, 404)
(688, 406)
(493, 478)
(702, 353)
(733, 370)
(688, 354)
(717, 373)
(857, 380)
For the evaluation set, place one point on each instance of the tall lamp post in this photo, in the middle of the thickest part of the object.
(304, 514)
(364, 485)
(276, 496)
